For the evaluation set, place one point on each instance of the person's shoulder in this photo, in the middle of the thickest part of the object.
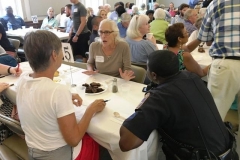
(95, 45)
(17, 17)
(122, 43)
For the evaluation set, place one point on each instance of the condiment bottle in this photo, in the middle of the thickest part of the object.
(114, 86)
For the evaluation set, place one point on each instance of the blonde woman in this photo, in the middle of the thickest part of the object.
(110, 55)
(140, 48)
(102, 13)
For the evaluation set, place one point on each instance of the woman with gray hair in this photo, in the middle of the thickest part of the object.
(159, 25)
(123, 25)
(110, 55)
(49, 109)
(140, 48)
(49, 22)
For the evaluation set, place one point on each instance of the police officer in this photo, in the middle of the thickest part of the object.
(182, 110)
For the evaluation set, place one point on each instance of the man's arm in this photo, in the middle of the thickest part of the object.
(128, 140)
(80, 28)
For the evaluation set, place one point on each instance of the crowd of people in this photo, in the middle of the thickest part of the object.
(174, 107)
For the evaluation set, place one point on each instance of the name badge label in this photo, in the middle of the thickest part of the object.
(99, 59)
(75, 10)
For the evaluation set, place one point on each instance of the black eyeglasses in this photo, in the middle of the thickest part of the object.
(107, 33)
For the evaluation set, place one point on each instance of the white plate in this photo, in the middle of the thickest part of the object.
(103, 86)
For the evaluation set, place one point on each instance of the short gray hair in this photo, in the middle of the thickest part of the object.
(162, 6)
(135, 24)
(198, 23)
(134, 9)
(159, 14)
(114, 28)
(38, 48)
(107, 5)
(188, 13)
(49, 9)
(125, 17)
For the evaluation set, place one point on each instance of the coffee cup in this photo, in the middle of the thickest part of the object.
(149, 35)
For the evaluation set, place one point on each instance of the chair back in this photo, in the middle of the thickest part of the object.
(140, 74)
(76, 64)
(15, 43)
(143, 65)
(12, 124)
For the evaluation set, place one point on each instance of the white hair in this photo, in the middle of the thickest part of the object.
(134, 9)
(188, 14)
(136, 22)
(114, 28)
(202, 12)
(107, 5)
(49, 9)
(159, 14)
(125, 17)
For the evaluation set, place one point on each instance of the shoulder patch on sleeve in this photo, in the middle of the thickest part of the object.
(143, 100)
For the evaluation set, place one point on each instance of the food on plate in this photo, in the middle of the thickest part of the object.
(201, 50)
(93, 87)
(56, 80)
(56, 74)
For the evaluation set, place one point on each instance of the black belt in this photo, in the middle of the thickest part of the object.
(228, 57)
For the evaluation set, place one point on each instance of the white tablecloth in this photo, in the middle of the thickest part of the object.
(22, 32)
(104, 127)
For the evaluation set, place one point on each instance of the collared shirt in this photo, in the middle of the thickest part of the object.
(69, 25)
(122, 30)
(221, 24)
(51, 22)
(177, 19)
(16, 21)
(93, 36)
(189, 27)
(114, 16)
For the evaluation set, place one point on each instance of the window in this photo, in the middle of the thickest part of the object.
(15, 4)
(93, 4)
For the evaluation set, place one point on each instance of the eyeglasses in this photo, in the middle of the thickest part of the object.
(107, 33)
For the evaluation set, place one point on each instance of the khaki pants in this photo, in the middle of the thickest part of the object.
(64, 153)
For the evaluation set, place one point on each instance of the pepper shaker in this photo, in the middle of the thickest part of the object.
(114, 86)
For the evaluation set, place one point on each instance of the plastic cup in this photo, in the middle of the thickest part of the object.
(149, 35)
(125, 88)
(23, 27)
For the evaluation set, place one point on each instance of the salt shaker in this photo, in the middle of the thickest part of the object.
(114, 86)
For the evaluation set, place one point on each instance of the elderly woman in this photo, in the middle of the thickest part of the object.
(123, 25)
(49, 22)
(135, 10)
(110, 55)
(102, 13)
(50, 110)
(176, 36)
(140, 48)
(159, 25)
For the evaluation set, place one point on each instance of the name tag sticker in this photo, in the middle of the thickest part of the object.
(99, 59)
(115, 18)
(75, 10)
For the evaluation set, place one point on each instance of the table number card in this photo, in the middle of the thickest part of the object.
(35, 19)
(67, 52)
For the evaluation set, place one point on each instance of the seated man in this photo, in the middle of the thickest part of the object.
(16, 21)
(182, 110)
(68, 10)
(179, 18)
(190, 18)
(5, 43)
(123, 25)
(50, 127)
(95, 25)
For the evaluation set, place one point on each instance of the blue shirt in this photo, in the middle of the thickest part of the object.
(177, 19)
(189, 27)
(122, 30)
(69, 25)
(221, 25)
(114, 16)
(16, 21)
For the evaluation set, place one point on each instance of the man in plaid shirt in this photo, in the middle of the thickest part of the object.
(221, 25)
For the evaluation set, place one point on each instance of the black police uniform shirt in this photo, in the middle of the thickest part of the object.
(179, 106)
(4, 42)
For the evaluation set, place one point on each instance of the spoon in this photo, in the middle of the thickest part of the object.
(117, 115)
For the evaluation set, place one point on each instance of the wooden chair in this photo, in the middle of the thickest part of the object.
(76, 64)
(140, 74)
(14, 147)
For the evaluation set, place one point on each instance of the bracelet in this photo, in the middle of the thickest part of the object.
(9, 70)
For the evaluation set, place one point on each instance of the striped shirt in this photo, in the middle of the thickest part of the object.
(221, 25)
